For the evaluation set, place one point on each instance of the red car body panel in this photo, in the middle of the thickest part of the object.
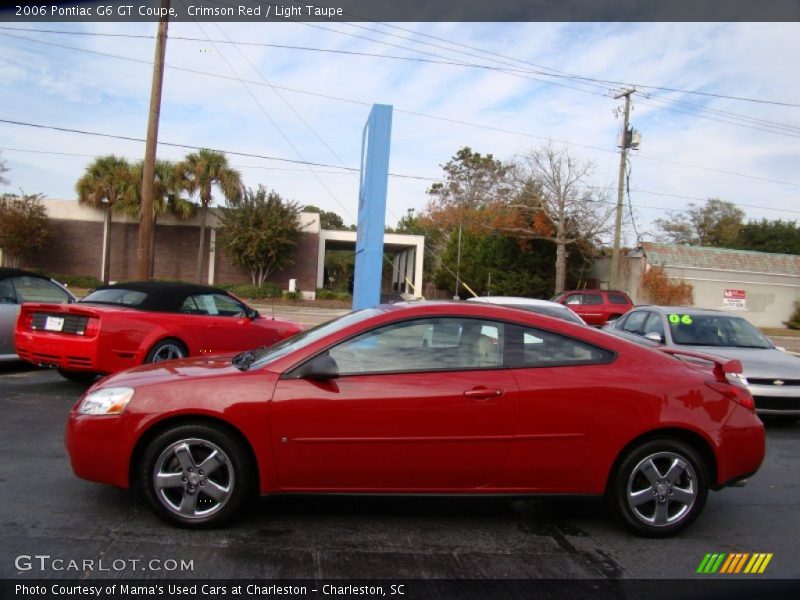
(119, 338)
(549, 430)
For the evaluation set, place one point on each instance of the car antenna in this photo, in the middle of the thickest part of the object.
(273, 308)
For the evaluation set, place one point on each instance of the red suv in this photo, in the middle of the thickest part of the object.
(596, 306)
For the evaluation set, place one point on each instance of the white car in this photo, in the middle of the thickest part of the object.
(542, 307)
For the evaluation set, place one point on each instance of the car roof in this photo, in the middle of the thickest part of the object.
(690, 310)
(516, 300)
(594, 291)
(162, 295)
(6, 272)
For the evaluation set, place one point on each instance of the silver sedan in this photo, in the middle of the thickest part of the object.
(773, 375)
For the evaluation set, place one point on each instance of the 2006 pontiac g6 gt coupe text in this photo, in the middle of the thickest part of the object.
(426, 398)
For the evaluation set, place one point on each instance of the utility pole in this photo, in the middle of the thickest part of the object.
(458, 262)
(145, 269)
(615, 280)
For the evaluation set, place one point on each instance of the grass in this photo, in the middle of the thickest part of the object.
(780, 332)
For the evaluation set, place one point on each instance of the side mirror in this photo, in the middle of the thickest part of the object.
(654, 337)
(252, 314)
(320, 367)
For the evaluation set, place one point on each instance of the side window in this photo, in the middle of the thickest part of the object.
(423, 345)
(7, 295)
(634, 322)
(592, 299)
(654, 324)
(618, 299)
(574, 299)
(530, 347)
(216, 305)
(34, 289)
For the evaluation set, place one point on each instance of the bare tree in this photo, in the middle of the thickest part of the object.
(556, 203)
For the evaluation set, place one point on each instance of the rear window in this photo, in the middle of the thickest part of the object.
(618, 299)
(117, 296)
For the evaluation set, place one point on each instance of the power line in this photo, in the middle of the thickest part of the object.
(344, 170)
(418, 114)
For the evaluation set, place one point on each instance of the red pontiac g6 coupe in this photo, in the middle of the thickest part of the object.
(425, 398)
(120, 326)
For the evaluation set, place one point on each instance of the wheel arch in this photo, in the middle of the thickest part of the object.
(187, 419)
(163, 338)
(696, 441)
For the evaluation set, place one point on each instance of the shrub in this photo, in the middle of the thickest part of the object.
(660, 290)
(292, 296)
(332, 295)
(794, 320)
(79, 281)
(254, 292)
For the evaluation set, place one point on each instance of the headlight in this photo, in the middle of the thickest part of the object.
(108, 401)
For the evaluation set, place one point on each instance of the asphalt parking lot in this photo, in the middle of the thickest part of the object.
(44, 509)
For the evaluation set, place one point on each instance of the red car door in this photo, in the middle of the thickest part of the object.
(411, 410)
(588, 305)
(227, 327)
(563, 385)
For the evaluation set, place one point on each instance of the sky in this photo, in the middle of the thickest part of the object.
(693, 146)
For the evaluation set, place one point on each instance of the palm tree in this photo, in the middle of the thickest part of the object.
(105, 182)
(198, 173)
(166, 197)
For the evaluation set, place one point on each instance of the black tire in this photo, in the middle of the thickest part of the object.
(168, 349)
(77, 376)
(649, 502)
(232, 479)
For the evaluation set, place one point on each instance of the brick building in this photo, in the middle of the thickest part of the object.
(75, 248)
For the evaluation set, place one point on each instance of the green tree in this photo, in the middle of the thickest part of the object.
(200, 172)
(167, 197)
(716, 224)
(106, 181)
(781, 237)
(260, 233)
(555, 203)
(327, 219)
(23, 227)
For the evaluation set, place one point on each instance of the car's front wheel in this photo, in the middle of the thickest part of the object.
(197, 475)
(659, 488)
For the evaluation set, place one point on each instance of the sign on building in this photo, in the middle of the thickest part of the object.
(734, 300)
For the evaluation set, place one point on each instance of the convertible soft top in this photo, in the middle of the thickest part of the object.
(162, 296)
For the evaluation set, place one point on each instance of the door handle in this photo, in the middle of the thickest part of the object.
(483, 393)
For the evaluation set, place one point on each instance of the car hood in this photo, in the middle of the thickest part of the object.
(758, 363)
(174, 370)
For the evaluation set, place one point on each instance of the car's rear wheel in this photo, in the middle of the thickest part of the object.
(166, 350)
(77, 376)
(197, 475)
(659, 488)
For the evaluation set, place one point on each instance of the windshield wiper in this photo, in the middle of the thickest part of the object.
(243, 360)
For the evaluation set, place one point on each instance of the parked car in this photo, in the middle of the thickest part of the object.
(120, 326)
(542, 307)
(500, 401)
(596, 307)
(18, 286)
(773, 376)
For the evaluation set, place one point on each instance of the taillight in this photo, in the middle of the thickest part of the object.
(26, 320)
(737, 393)
(92, 327)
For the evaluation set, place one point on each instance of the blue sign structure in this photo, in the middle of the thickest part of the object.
(375, 143)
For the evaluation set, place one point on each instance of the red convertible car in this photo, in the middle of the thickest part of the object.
(123, 325)
(425, 398)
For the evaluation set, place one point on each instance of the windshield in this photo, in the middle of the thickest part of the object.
(116, 296)
(551, 311)
(264, 356)
(715, 330)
